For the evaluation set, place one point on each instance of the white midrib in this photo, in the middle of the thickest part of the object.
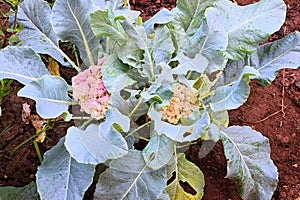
(134, 181)
(57, 101)
(251, 19)
(240, 154)
(54, 45)
(276, 58)
(19, 75)
(86, 45)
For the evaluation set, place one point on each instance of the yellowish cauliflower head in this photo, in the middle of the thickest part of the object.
(182, 104)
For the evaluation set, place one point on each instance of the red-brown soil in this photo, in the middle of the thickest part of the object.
(274, 111)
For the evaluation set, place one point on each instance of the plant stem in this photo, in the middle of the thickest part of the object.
(176, 165)
(87, 123)
(69, 60)
(37, 149)
(22, 143)
(81, 118)
(135, 108)
(151, 64)
(15, 17)
(137, 129)
(107, 45)
(143, 138)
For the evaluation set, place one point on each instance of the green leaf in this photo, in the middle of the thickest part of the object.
(231, 97)
(190, 14)
(185, 172)
(210, 40)
(158, 151)
(61, 177)
(21, 64)
(162, 45)
(71, 22)
(230, 74)
(146, 54)
(162, 89)
(179, 132)
(270, 58)
(249, 163)
(130, 178)
(131, 106)
(38, 33)
(161, 17)
(220, 118)
(19, 193)
(14, 3)
(114, 73)
(249, 25)
(198, 64)
(98, 143)
(51, 95)
(103, 23)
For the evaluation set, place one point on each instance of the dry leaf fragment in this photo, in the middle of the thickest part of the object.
(53, 67)
(38, 124)
(41, 137)
(26, 113)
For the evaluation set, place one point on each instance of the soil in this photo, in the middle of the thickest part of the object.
(274, 111)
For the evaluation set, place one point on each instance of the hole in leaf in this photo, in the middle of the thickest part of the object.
(192, 75)
(140, 145)
(142, 120)
(152, 156)
(186, 134)
(172, 178)
(117, 127)
(213, 75)
(174, 64)
(187, 187)
(125, 94)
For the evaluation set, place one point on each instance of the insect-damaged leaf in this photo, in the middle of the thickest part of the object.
(185, 172)
(158, 151)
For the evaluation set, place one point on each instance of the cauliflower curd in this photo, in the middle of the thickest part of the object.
(89, 90)
(182, 104)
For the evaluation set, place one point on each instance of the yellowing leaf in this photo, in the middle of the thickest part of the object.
(205, 84)
(186, 173)
(13, 2)
(53, 67)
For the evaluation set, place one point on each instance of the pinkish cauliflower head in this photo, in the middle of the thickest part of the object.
(182, 104)
(89, 89)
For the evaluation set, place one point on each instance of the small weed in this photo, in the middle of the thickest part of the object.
(5, 88)
(5, 131)
(50, 124)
